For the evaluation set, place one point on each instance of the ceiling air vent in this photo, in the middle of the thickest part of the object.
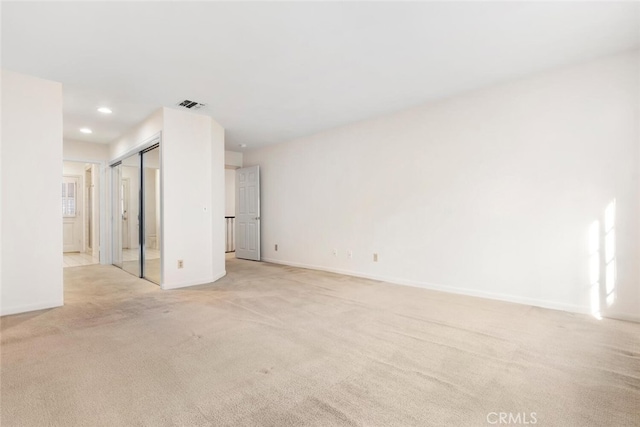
(190, 105)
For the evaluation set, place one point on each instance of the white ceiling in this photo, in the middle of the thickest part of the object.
(271, 72)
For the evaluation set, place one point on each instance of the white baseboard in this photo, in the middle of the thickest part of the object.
(6, 311)
(211, 279)
(623, 316)
(442, 288)
(219, 275)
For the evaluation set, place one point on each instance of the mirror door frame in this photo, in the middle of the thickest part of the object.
(148, 145)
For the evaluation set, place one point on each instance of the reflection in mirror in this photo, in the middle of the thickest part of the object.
(117, 216)
(151, 211)
(130, 219)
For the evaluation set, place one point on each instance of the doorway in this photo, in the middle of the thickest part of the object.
(80, 213)
(89, 229)
(247, 235)
(136, 239)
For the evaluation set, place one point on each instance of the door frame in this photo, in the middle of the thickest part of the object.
(104, 254)
(240, 254)
(145, 145)
(89, 235)
(79, 212)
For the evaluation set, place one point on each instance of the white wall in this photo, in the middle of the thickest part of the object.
(193, 198)
(85, 151)
(31, 210)
(136, 136)
(186, 154)
(74, 168)
(230, 192)
(218, 192)
(489, 193)
(233, 159)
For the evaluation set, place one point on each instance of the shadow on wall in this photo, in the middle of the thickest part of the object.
(603, 292)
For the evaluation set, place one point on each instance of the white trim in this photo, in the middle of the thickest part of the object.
(156, 139)
(147, 143)
(161, 202)
(206, 281)
(442, 288)
(623, 316)
(30, 307)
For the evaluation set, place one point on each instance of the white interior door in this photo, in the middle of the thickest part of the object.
(71, 214)
(248, 213)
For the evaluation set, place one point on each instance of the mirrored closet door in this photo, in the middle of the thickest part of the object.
(137, 214)
(118, 214)
(151, 215)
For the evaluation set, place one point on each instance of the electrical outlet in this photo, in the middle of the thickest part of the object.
(180, 263)
(335, 252)
(276, 247)
(350, 254)
(375, 257)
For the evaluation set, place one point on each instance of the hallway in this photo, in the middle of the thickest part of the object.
(77, 259)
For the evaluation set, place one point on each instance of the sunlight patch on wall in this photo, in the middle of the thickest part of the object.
(596, 261)
(594, 268)
(610, 252)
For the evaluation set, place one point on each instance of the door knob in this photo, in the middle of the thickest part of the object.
(257, 218)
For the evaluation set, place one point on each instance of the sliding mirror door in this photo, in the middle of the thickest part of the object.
(136, 214)
(151, 214)
(118, 213)
(130, 219)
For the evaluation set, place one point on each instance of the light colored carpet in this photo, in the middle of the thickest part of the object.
(278, 346)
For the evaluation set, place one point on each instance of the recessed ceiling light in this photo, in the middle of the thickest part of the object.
(105, 110)
(86, 130)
